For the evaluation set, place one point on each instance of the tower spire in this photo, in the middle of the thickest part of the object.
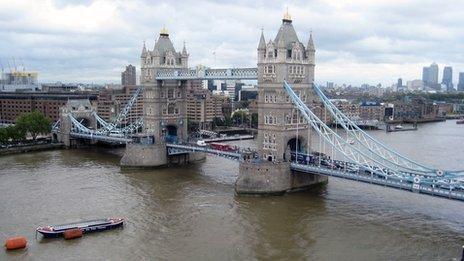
(144, 50)
(310, 46)
(184, 50)
(287, 16)
(262, 41)
(164, 31)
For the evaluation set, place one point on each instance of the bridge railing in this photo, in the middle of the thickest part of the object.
(208, 74)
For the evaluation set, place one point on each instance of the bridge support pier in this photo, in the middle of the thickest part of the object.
(144, 155)
(273, 178)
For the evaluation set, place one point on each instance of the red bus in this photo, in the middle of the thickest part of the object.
(222, 146)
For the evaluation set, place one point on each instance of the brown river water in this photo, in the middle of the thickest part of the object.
(192, 213)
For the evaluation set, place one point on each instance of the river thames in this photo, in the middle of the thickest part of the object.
(192, 213)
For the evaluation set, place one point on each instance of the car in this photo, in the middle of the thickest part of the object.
(201, 143)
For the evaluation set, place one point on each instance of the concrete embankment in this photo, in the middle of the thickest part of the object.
(29, 148)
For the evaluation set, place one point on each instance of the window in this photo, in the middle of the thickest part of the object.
(171, 107)
(269, 69)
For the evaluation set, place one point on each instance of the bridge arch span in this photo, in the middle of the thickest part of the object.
(293, 144)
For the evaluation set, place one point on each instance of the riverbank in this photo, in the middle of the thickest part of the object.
(29, 148)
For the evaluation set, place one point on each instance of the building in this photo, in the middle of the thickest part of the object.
(461, 82)
(59, 87)
(111, 101)
(13, 104)
(430, 76)
(284, 58)
(203, 107)
(164, 106)
(399, 86)
(415, 85)
(415, 109)
(448, 78)
(128, 77)
(19, 81)
(425, 74)
(248, 92)
(211, 87)
(230, 88)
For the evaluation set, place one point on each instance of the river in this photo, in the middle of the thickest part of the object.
(191, 212)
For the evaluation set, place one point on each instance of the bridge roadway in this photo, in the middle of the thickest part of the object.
(176, 149)
(376, 180)
(99, 137)
(332, 171)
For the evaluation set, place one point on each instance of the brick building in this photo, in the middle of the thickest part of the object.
(13, 104)
(111, 101)
(203, 107)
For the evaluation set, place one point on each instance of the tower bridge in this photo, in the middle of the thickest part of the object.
(296, 148)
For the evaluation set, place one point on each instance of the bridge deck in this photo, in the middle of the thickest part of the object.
(399, 184)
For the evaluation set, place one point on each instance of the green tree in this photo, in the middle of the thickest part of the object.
(14, 133)
(217, 122)
(254, 120)
(3, 136)
(192, 126)
(34, 123)
(240, 116)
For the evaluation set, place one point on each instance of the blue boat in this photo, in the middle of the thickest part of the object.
(85, 226)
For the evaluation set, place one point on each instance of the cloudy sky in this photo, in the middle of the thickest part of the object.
(357, 41)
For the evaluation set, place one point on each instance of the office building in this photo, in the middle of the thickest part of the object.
(111, 101)
(128, 77)
(461, 82)
(430, 76)
(448, 78)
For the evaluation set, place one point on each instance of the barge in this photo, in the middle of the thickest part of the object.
(84, 226)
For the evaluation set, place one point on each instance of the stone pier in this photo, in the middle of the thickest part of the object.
(144, 155)
(273, 178)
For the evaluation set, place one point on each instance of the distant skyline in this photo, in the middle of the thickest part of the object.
(356, 42)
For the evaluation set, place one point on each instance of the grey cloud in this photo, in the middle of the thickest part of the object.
(362, 34)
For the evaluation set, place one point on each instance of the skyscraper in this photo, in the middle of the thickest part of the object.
(448, 78)
(430, 76)
(425, 75)
(433, 74)
(461, 82)
(128, 77)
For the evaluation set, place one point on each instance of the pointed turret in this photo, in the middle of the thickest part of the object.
(184, 50)
(144, 50)
(310, 46)
(262, 42)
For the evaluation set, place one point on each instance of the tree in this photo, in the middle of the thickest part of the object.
(240, 117)
(254, 120)
(34, 123)
(217, 122)
(14, 133)
(192, 126)
(3, 136)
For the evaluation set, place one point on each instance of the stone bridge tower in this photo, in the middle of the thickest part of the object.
(164, 106)
(284, 58)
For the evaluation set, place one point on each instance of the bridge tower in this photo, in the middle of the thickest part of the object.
(164, 106)
(280, 126)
